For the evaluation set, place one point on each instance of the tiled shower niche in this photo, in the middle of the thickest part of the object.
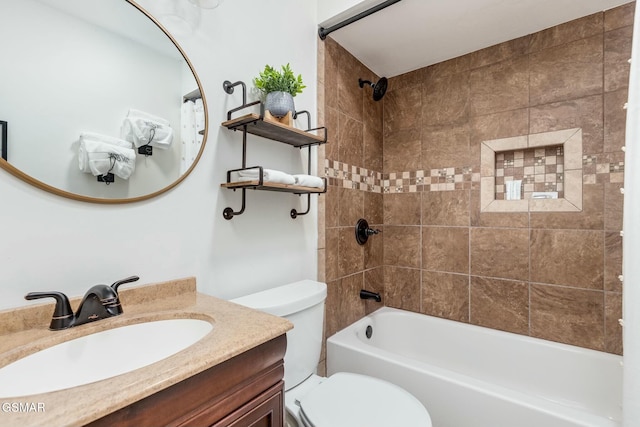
(541, 170)
(548, 161)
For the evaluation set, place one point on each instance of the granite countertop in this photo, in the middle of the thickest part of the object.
(24, 330)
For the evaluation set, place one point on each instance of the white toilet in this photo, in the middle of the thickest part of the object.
(343, 399)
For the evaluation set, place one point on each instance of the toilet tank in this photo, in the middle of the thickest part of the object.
(302, 303)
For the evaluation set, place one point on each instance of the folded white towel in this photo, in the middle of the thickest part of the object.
(101, 154)
(309, 181)
(89, 142)
(268, 175)
(142, 128)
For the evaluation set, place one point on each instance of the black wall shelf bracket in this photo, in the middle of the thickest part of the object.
(229, 88)
(294, 213)
(256, 124)
(228, 213)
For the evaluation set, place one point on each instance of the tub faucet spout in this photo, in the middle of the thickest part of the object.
(364, 294)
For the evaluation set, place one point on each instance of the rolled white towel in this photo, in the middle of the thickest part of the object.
(90, 142)
(92, 139)
(309, 181)
(268, 175)
(142, 128)
(101, 154)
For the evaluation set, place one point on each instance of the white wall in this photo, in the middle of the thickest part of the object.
(51, 243)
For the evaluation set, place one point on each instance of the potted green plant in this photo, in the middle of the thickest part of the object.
(279, 88)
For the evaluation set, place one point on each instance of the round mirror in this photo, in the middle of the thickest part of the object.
(99, 103)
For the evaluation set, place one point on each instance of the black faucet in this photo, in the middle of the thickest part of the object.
(364, 294)
(100, 302)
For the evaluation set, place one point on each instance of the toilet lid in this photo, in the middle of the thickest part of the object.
(352, 400)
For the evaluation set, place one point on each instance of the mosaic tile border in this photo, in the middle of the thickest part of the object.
(444, 179)
(341, 174)
(597, 171)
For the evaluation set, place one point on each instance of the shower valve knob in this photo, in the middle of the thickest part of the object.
(363, 231)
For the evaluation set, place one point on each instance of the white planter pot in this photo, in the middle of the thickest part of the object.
(279, 104)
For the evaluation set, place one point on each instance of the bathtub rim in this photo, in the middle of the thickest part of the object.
(483, 329)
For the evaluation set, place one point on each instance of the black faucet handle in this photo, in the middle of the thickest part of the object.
(371, 231)
(62, 315)
(117, 284)
(363, 232)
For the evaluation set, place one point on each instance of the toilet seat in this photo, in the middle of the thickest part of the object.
(348, 400)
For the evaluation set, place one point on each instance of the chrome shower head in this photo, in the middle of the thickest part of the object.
(379, 88)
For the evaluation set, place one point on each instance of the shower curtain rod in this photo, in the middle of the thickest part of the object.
(324, 32)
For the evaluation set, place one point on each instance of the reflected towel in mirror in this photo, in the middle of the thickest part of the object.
(100, 154)
(142, 128)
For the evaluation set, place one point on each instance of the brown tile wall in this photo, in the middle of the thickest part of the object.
(354, 142)
(544, 274)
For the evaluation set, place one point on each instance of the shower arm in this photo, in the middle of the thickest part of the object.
(363, 82)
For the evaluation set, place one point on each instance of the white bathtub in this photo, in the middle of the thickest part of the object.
(470, 376)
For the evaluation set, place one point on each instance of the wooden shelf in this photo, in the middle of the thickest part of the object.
(256, 125)
(269, 127)
(272, 186)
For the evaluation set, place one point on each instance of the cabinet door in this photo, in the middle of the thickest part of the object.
(266, 410)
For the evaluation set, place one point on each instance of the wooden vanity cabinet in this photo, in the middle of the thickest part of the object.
(245, 391)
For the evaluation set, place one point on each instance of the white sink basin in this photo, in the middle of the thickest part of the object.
(99, 356)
